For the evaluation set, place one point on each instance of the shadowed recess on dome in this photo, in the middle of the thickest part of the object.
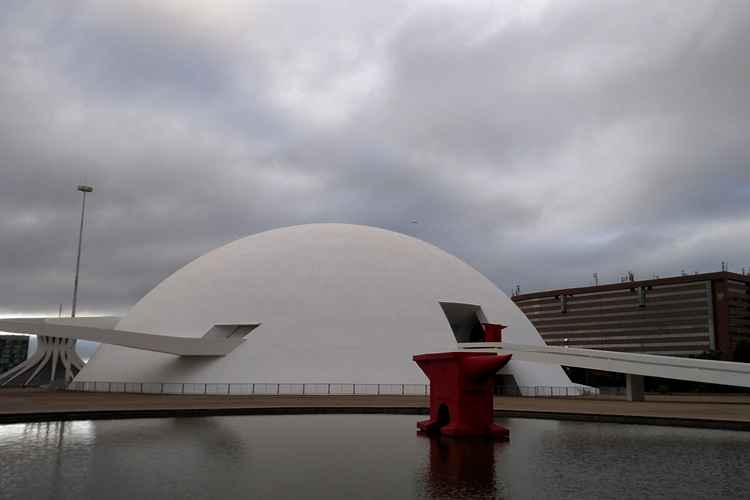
(466, 321)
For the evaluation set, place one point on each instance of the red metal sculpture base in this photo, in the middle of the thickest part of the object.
(461, 393)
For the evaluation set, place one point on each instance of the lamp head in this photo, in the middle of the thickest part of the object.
(86, 189)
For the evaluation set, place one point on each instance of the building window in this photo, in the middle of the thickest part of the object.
(642, 296)
(563, 303)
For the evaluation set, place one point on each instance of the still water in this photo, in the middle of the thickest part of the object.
(365, 456)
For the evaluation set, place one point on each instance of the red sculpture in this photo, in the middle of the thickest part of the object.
(461, 393)
(493, 332)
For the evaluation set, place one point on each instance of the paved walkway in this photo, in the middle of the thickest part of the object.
(37, 401)
(18, 405)
(677, 407)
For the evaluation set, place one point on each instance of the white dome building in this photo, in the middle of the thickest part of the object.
(337, 303)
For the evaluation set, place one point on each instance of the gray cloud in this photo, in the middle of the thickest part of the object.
(538, 141)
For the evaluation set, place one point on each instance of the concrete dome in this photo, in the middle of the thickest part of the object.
(338, 303)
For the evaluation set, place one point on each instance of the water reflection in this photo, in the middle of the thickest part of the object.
(39, 450)
(460, 468)
(82, 459)
(364, 456)
(46, 433)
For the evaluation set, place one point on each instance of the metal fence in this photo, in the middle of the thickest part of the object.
(612, 391)
(247, 389)
(545, 391)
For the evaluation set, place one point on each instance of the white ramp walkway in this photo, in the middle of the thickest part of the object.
(698, 370)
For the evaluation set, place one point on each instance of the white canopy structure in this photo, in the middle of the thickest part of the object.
(337, 303)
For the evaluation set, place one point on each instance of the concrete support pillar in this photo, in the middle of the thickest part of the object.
(634, 387)
(54, 363)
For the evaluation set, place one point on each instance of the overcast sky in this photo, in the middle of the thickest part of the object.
(539, 141)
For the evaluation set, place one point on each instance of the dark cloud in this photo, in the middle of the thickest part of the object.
(541, 142)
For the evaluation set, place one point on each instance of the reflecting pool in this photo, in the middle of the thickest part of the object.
(365, 456)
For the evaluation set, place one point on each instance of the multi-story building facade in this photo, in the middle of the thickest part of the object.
(678, 316)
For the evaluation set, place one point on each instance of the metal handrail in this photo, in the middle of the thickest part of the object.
(310, 389)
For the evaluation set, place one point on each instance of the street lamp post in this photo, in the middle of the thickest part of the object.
(55, 361)
(84, 189)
